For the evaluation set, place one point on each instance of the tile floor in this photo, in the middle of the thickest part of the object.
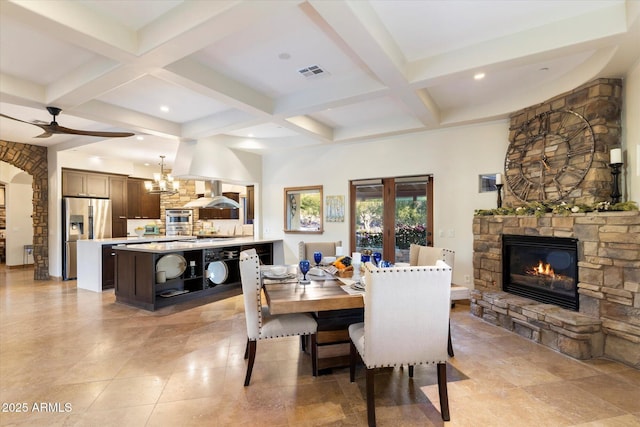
(76, 358)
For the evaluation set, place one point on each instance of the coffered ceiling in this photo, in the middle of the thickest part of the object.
(271, 75)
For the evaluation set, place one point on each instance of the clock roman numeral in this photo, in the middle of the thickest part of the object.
(579, 151)
(519, 186)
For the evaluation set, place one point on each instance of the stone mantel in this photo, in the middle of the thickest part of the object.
(608, 280)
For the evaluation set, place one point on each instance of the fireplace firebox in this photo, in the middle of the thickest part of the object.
(544, 269)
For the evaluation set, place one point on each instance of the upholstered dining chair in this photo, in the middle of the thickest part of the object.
(263, 325)
(405, 323)
(428, 255)
(306, 249)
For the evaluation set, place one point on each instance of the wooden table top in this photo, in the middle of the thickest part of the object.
(321, 295)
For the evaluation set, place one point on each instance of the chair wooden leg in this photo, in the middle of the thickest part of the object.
(352, 362)
(303, 343)
(371, 401)
(449, 344)
(252, 358)
(442, 391)
(246, 350)
(314, 355)
(410, 371)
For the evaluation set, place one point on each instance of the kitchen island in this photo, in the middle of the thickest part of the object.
(96, 259)
(157, 274)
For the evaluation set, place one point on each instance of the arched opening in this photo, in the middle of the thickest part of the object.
(32, 160)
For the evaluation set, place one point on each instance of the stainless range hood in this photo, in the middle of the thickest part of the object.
(213, 198)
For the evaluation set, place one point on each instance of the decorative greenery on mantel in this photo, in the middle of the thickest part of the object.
(563, 208)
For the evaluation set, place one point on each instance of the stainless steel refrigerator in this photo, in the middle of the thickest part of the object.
(82, 219)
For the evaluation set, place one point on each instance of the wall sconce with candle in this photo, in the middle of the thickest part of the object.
(615, 161)
(499, 185)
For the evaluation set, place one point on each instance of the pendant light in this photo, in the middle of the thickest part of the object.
(162, 183)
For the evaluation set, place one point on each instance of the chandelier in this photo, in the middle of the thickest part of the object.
(162, 183)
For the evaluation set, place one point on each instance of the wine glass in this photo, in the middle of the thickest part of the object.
(305, 265)
(317, 257)
(377, 257)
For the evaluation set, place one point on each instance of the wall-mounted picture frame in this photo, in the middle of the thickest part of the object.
(334, 208)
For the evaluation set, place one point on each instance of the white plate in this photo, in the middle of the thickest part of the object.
(218, 272)
(173, 265)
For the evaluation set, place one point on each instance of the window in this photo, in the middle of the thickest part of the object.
(303, 209)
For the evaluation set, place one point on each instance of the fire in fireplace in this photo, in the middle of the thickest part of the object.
(544, 269)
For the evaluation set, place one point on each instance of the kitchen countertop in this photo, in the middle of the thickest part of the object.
(136, 239)
(216, 242)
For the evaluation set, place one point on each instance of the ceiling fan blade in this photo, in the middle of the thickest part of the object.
(44, 134)
(62, 129)
(17, 120)
(53, 127)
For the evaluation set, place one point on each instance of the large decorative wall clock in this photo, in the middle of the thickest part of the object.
(549, 156)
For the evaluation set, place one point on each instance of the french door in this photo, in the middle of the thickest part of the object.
(388, 214)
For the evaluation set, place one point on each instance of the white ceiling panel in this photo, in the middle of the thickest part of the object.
(34, 56)
(148, 94)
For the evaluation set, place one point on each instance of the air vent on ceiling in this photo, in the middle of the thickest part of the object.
(313, 71)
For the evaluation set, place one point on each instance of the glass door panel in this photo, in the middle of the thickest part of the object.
(411, 217)
(369, 216)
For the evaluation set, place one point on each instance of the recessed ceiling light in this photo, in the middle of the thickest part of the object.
(140, 138)
(478, 76)
(250, 135)
(164, 108)
(284, 56)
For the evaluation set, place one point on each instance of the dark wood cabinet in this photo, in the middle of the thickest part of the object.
(141, 204)
(77, 183)
(108, 266)
(118, 191)
(136, 284)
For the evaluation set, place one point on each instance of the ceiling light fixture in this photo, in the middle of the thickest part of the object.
(164, 108)
(161, 182)
(478, 76)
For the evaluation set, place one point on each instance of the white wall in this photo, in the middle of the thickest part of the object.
(455, 157)
(19, 209)
(631, 134)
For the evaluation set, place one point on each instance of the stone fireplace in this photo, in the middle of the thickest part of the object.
(608, 258)
(541, 268)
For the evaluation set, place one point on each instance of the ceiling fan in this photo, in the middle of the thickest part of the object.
(53, 127)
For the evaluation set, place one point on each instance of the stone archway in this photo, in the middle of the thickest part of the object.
(33, 160)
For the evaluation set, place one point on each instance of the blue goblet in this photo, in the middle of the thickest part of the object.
(377, 257)
(317, 257)
(305, 265)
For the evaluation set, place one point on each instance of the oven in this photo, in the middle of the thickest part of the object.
(179, 222)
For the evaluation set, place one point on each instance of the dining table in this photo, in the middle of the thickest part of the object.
(334, 305)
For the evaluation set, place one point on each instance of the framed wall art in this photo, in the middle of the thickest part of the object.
(335, 208)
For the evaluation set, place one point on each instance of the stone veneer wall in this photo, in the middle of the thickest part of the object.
(600, 102)
(33, 160)
(609, 284)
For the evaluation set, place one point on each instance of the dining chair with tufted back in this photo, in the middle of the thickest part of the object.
(306, 249)
(418, 333)
(263, 325)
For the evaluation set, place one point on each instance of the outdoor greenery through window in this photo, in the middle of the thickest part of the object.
(399, 204)
(303, 209)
